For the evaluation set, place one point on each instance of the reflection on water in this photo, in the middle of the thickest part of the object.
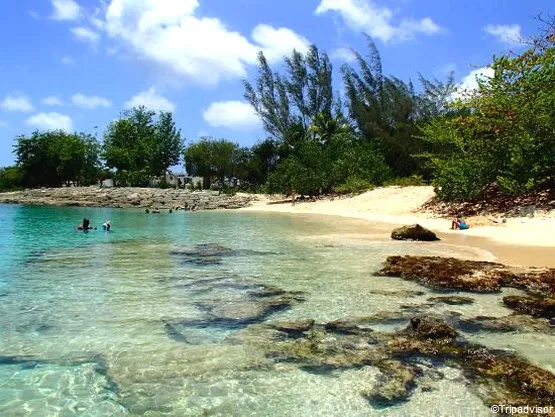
(137, 321)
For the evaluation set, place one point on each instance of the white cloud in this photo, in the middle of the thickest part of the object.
(202, 49)
(152, 101)
(52, 101)
(469, 84)
(17, 103)
(507, 34)
(237, 115)
(277, 43)
(84, 34)
(51, 121)
(65, 10)
(67, 60)
(367, 16)
(90, 102)
(34, 14)
(343, 54)
(4, 124)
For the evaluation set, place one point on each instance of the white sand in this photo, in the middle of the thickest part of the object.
(402, 206)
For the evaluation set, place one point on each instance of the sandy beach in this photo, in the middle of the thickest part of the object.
(521, 240)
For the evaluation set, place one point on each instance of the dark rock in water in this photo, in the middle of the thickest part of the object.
(453, 300)
(212, 254)
(429, 328)
(394, 385)
(294, 328)
(203, 261)
(445, 273)
(235, 312)
(512, 323)
(534, 306)
(349, 326)
(173, 332)
(400, 293)
(414, 232)
(500, 377)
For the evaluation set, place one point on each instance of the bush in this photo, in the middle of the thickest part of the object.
(11, 178)
(164, 185)
(413, 180)
(460, 179)
(353, 186)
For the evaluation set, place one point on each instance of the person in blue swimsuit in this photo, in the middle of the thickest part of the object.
(459, 223)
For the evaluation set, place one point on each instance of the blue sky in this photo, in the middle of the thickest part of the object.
(76, 64)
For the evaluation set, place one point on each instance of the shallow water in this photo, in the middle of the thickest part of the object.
(118, 324)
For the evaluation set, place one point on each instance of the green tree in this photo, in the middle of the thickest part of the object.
(210, 157)
(168, 145)
(504, 132)
(287, 104)
(11, 178)
(384, 110)
(138, 146)
(55, 157)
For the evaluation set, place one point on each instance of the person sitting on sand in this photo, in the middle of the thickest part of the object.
(107, 225)
(459, 223)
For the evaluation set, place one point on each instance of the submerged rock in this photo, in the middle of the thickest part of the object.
(235, 311)
(211, 254)
(445, 273)
(512, 323)
(394, 385)
(534, 306)
(497, 376)
(414, 232)
(453, 300)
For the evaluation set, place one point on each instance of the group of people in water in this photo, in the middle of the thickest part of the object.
(86, 225)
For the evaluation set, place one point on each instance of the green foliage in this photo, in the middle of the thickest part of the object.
(210, 157)
(53, 158)
(353, 185)
(11, 178)
(413, 180)
(142, 146)
(503, 133)
(287, 104)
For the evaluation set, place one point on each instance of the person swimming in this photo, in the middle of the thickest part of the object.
(107, 225)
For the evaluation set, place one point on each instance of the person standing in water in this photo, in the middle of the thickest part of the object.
(85, 225)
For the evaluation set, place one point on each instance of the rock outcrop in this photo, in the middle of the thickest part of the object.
(151, 198)
(472, 276)
(414, 232)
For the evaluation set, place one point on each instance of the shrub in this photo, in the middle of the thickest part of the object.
(413, 180)
(353, 185)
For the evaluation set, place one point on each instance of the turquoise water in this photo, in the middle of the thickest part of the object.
(135, 323)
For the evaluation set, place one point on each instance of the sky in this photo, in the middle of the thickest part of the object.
(77, 64)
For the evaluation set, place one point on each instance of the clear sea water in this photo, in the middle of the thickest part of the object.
(83, 316)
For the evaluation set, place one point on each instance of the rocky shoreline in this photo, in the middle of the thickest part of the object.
(151, 198)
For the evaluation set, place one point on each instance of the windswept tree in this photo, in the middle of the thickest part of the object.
(288, 103)
(384, 110)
